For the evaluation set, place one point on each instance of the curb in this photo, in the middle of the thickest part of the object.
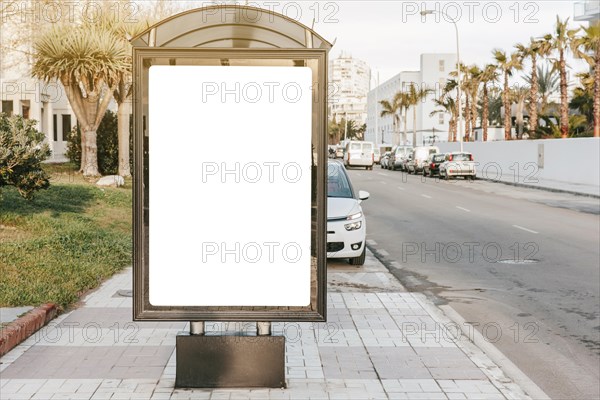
(544, 188)
(25, 326)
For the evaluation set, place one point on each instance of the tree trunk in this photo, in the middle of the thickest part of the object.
(467, 118)
(597, 96)
(83, 152)
(414, 138)
(452, 130)
(486, 112)
(507, 110)
(533, 98)
(404, 136)
(520, 107)
(474, 113)
(90, 164)
(123, 134)
(456, 122)
(564, 101)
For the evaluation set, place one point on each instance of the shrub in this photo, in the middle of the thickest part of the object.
(22, 150)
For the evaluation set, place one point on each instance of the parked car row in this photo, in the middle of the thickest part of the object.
(428, 160)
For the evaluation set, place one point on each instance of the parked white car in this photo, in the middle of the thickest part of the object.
(359, 154)
(420, 156)
(346, 223)
(458, 164)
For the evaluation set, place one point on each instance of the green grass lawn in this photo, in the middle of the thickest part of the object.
(66, 241)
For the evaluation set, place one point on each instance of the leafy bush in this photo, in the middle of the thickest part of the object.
(22, 150)
(107, 142)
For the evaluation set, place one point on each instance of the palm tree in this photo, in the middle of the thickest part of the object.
(414, 96)
(447, 105)
(519, 95)
(548, 80)
(588, 48)
(397, 109)
(560, 42)
(465, 89)
(507, 64)
(535, 49)
(582, 100)
(473, 82)
(488, 74)
(123, 32)
(87, 60)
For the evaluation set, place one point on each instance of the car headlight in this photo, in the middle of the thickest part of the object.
(354, 216)
(353, 226)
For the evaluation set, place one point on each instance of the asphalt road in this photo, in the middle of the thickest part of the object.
(521, 264)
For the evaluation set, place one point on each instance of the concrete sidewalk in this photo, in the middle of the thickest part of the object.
(380, 342)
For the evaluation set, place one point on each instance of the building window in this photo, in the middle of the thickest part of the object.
(25, 110)
(55, 128)
(66, 126)
(7, 107)
(441, 119)
(442, 65)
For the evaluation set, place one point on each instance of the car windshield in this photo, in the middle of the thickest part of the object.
(367, 147)
(337, 182)
(355, 146)
(438, 158)
(461, 157)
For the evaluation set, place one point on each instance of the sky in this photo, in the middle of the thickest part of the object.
(391, 35)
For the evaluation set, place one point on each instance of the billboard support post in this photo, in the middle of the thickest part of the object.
(230, 186)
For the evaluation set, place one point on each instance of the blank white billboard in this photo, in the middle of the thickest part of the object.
(230, 186)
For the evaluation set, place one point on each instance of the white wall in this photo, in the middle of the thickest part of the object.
(567, 164)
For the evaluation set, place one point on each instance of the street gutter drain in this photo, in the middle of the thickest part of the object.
(519, 262)
(125, 293)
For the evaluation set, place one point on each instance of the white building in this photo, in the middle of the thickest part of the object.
(349, 80)
(433, 74)
(20, 94)
(588, 10)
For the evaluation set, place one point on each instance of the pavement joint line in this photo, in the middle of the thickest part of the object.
(464, 209)
(401, 188)
(426, 196)
(525, 229)
(480, 344)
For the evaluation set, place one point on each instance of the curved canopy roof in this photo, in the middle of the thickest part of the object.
(230, 26)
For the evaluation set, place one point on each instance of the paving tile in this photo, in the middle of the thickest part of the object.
(80, 362)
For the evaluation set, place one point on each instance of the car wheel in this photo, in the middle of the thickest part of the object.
(360, 260)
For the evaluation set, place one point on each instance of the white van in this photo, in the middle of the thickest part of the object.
(359, 154)
(420, 157)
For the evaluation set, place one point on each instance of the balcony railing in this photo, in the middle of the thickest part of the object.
(586, 10)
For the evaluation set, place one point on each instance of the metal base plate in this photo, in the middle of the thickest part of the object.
(230, 361)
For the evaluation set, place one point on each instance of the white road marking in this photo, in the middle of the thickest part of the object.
(426, 196)
(464, 209)
(372, 242)
(401, 188)
(525, 229)
(382, 174)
